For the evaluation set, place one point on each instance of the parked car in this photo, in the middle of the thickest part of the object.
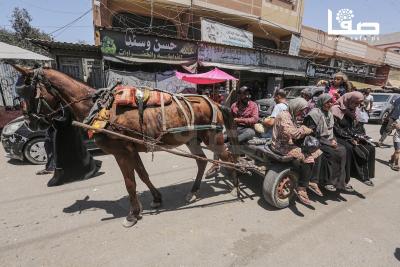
(295, 91)
(22, 143)
(382, 106)
(7, 115)
(266, 105)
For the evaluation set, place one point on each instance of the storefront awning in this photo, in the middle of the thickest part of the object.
(294, 73)
(254, 69)
(211, 77)
(14, 52)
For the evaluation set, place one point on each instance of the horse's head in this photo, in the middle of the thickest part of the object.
(38, 98)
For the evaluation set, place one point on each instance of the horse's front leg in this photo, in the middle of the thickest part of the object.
(129, 177)
(144, 176)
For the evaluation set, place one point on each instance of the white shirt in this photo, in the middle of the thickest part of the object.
(278, 109)
(368, 100)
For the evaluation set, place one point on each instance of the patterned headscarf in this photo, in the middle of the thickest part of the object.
(296, 105)
(344, 103)
(322, 118)
(322, 99)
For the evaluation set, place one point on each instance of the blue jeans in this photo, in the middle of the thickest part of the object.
(245, 134)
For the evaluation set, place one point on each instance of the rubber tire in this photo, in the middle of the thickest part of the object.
(28, 146)
(271, 182)
(384, 116)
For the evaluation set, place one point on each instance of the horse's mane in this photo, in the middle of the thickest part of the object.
(62, 75)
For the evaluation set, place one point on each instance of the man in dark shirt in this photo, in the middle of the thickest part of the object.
(245, 113)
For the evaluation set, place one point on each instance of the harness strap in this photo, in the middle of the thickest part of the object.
(214, 109)
(191, 111)
(46, 104)
(182, 109)
(164, 123)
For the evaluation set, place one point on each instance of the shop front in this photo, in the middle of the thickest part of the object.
(262, 71)
(146, 60)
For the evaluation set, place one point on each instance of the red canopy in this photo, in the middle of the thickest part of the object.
(214, 76)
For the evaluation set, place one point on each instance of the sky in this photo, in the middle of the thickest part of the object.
(50, 15)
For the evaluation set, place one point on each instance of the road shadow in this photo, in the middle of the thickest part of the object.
(173, 200)
(255, 183)
(384, 162)
(397, 253)
(110, 207)
(18, 162)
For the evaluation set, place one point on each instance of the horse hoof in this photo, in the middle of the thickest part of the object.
(129, 222)
(155, 205)
(234, 192)
(190, 197)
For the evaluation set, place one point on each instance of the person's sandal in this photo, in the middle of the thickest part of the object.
(303, 197)
(315, 189)
(330, 188)
(348, 188)
(368, 182)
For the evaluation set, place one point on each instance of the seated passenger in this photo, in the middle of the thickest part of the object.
(360, 153)
(284, 135)
(332, 171)
(395, 157)
(245, 113)
(268, 123)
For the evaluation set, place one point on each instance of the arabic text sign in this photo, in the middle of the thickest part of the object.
(130, 44)
(345, 19)
(320, 71)
(295, 44)
(228, 55)
(215, 32)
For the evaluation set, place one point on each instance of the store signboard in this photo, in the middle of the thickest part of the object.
(131, 44)
(215, 32)
(228, 55)
(295, 44)
(314, 70)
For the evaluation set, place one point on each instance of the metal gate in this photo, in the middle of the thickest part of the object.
(8, 77)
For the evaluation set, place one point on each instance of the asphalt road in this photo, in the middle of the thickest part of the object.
(79, 224)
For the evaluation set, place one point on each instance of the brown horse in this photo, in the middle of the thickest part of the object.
(57, 89)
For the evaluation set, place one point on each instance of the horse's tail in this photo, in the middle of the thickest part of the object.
(230, 128)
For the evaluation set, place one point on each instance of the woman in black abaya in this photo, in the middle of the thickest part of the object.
(348, 132)
(72, 159)
(332, 173)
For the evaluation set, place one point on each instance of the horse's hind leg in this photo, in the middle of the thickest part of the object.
(195, 149)
(128, 172)
(144, 176)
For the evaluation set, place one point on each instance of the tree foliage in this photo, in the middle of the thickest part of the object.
(22, 30)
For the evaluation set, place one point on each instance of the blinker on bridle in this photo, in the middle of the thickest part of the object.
(38, 77)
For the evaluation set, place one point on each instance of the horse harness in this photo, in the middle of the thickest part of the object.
(106, 113)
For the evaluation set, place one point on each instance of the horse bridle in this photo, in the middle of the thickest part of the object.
(39, 78)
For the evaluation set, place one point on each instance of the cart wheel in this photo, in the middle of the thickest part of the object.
(279, 185)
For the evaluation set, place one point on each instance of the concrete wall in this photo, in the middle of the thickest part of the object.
(269, 19)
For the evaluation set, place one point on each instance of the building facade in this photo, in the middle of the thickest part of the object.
(370, 63)
(257, 38)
